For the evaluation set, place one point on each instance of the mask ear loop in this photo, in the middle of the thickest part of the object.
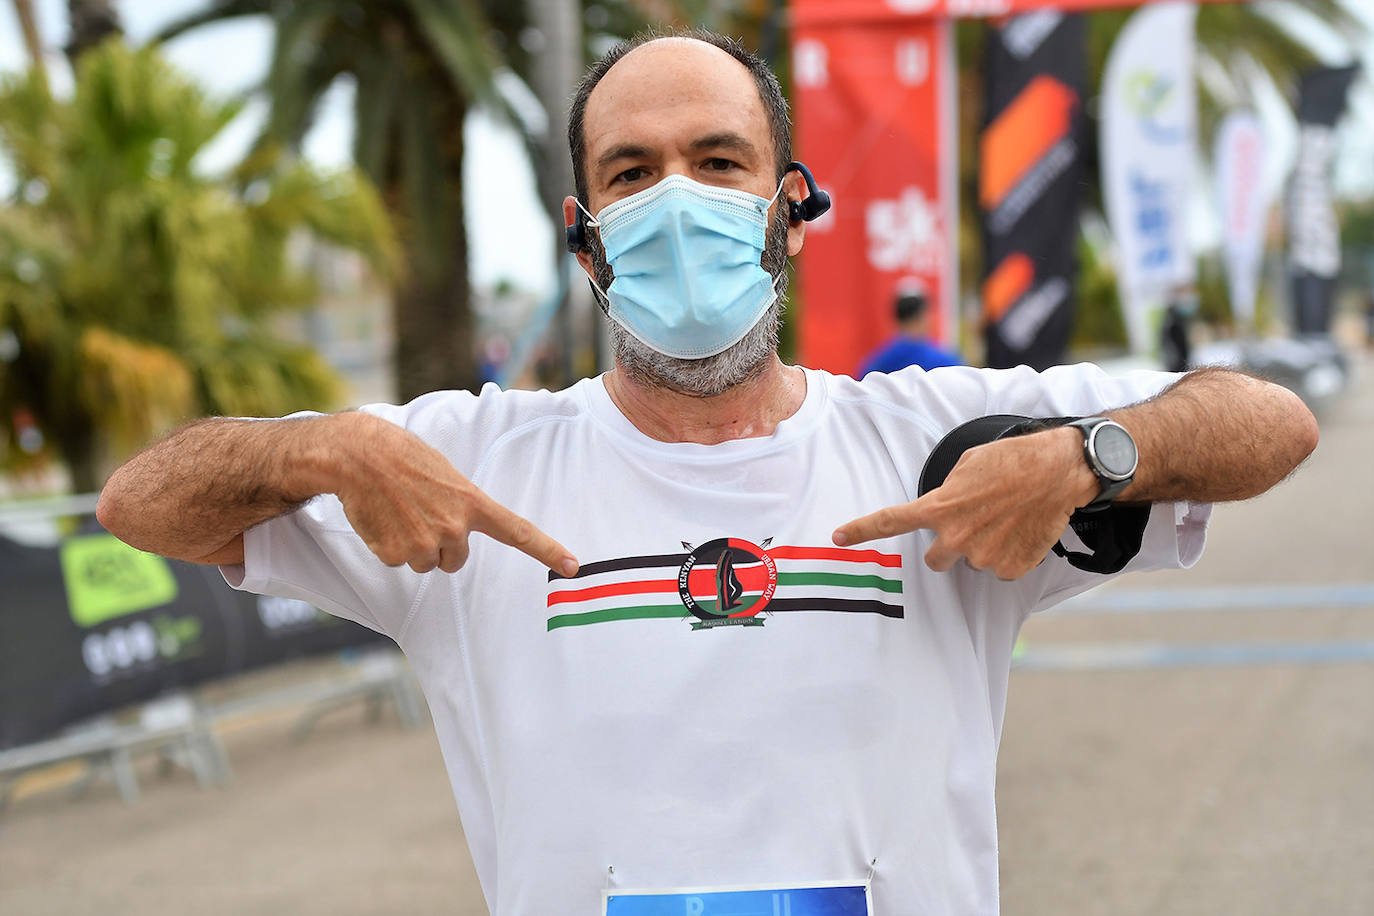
(776, 194)
(591, 220)
(602, 300)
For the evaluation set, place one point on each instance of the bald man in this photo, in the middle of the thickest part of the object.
(752, 657)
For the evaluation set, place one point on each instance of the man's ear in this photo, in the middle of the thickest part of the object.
(795, 189)
(584, 255)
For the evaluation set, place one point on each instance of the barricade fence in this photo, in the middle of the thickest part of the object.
(89, 625)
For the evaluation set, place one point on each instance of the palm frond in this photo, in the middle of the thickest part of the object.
(381, 78)
(457, 31)
(216, 11)
(304, 63)
(144, 387)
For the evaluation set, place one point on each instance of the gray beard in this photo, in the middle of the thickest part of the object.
(710, 375)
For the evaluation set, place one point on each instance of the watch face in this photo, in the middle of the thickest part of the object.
(1115, 451)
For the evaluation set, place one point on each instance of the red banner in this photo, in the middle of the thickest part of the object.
(852, 12)
(874, 113)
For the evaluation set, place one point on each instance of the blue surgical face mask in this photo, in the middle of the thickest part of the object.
(686, 257)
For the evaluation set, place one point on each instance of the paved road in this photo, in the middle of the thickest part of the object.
(1171, 759)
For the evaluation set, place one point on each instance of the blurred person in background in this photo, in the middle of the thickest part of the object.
(911, 345)
(1175, 334)
(706, 681)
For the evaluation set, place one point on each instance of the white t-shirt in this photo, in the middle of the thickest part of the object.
(599, 733)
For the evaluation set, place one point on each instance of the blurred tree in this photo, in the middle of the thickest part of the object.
(90, 22)
(135, 291)
(28, 25)
(1357, 223)
(419, 66)
(1102, 324)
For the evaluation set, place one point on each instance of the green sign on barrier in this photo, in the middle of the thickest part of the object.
(107, 578)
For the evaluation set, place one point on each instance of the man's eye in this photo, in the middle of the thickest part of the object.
(719, 165)
(630, 175)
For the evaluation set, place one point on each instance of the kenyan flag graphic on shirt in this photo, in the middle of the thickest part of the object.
(728, 582)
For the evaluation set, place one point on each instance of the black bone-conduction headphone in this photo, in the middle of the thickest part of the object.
(817, 202)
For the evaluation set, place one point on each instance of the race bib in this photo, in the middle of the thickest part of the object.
(826, 899)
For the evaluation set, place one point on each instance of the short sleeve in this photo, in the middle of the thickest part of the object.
(313, 554)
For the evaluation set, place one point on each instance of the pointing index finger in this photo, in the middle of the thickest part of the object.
(885, 523)
(496, 521)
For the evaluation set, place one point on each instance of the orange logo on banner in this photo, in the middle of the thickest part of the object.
(1005, 285)
(1023, 133)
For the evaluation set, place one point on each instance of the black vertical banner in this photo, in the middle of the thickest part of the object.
(1030, 166)
(91, 625)
(1314, 237)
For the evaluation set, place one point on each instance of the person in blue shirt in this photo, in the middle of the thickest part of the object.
(911, 345)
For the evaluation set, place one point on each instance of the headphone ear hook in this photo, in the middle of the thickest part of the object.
(576, 235)
(817, 202)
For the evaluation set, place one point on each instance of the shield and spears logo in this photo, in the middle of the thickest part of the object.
(727, 582)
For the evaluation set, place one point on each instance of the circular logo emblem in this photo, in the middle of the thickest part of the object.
(727, 581)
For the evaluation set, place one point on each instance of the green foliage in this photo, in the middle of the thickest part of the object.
(139, 290)
(1357, 223)
(1097, 319)
(1213, 296)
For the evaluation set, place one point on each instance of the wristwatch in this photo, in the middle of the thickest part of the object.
(1111, 455)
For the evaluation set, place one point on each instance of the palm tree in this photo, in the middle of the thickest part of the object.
(91, 22)
(136, 292)
(28, 25)
(419, 66)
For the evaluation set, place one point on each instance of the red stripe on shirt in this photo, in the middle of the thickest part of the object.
(846, 554)
(654, 586)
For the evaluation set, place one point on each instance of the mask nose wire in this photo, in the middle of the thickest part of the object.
(595, 223)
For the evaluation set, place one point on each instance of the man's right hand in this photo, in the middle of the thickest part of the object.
(193, 494)
(410, 506)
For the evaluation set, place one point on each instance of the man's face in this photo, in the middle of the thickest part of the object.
(678, 106)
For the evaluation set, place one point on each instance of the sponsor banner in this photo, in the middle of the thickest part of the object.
(1149, 114)
(1030, 167)
(1239, 162)
(93, 625)
(875, 123)
(1314, 236)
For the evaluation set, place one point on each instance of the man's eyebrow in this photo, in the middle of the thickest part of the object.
(623, 151)
(725, 140)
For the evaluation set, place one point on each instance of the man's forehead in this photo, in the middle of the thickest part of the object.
(669, 72)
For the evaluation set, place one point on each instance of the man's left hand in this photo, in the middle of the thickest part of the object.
(1002, 507)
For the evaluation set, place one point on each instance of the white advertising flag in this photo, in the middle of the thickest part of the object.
(1149, 116)
(1241, 193)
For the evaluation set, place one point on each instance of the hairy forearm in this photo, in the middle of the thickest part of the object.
(1216, 435)
(199, 488)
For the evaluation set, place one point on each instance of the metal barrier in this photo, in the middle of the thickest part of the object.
(172, 726)
(182, 728)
